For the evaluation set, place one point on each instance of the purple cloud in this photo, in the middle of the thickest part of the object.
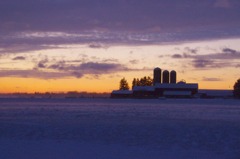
(100, 68)
(96, 46)
(19, 58)
(24, 26)
(62, 70)
(134, 62)
(77, 74)
(60, 65)
(226, 58)
(74, 69)
(226, 54)
(112, 15)
(211, 79)
(33, 74)
(177, 56)
(42, 63)
(190, 50)
(230, 51)
(202, 63)
(110, 60)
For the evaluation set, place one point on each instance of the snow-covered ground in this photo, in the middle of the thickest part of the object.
(119, 129)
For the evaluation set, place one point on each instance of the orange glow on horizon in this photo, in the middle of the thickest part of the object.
(32, 85)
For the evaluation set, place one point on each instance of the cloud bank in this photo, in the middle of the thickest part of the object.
(43, 24)
(226, 58)
(51, 69)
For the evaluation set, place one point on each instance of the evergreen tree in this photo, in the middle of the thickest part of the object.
(236, 89)
(149, 81)
(144, 81)
(123, 84)
(134, 83)
(138, 82)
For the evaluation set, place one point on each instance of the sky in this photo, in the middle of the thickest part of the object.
(89, 45)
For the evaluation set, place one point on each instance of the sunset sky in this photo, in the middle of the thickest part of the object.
(89, 45)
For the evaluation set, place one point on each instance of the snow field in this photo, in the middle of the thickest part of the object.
(107, 128)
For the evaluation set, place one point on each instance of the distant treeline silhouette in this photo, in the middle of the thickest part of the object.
(144, 81)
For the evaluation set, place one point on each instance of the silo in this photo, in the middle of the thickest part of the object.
(157, 75)
(173, 76)
(166, 76)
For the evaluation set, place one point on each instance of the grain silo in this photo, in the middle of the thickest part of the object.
(157, 75)
(173, 76)
(165, 76)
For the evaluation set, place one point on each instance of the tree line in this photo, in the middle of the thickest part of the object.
(144, 81)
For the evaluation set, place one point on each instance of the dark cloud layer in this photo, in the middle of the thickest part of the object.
(226, 58)
(210, 64)
(62, 69)
(40, 24)
(230, 51)
(62, 15)
(47, 68)
(202, 63)
(227, 53)
(33, 74)
(177, 56)
(19, 58)
(211, 79)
